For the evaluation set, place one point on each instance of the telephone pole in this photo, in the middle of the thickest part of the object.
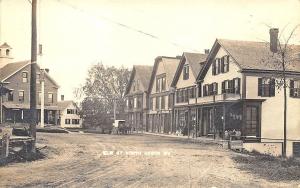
(33, 73)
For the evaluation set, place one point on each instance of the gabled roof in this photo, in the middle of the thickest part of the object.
(64, 104)
(5, 45)
(12, 68)
(144, 73)
(196, 62)
(251, 55)
(170, 65)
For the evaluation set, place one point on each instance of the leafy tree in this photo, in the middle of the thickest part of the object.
(103, 86)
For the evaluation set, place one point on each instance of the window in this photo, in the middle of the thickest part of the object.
(252, 121)
(40, 97)
(70, 111)
(50, 97)
(7, 52)
(21, 96)
(295, 88)
(216, 66)
(25, 77)
(157, 103)
(67, 121)
(157, 84)
(186, 72)
(75, 121)
(10, 96)
(137, 85)
(151, 103)
(214, 88)
(163, 83)
(192, 92)
(163, 102)
(231, 86)
(225, 64)
(139, 102)
(133, 85)
(205, 90)
(266, 87)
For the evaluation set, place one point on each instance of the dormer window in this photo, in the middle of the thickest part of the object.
(186, 72)
(7, 52)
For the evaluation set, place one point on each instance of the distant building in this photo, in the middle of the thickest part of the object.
(69, 115)
(136, 97)
(15, 76)
(161, 94)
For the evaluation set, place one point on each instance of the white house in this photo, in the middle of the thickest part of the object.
(69, 115)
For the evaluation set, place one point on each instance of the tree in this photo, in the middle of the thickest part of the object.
(284, 58)
(103, 85)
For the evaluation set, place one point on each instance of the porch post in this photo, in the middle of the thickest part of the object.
(224, 120)
(200, 123)
(196, 123)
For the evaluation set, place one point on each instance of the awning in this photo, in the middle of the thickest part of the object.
(10, 105)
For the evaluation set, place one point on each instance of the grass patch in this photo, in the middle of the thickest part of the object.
(268, 167)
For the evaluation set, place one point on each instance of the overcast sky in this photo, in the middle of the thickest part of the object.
(78, 33)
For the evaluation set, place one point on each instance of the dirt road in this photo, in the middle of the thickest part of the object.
(94, 160)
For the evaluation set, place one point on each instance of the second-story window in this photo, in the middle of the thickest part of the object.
(40, 97)
(24, 77)
(21, 96)
(158, 81)
(295, 88)
(157, 103)
(151, 104)
(139, 102)
(186, 72)
(231, 86)
(38, 78)
(192, 92)
(266, 87)
(163, 83)
(50, 97)
(225, 64)
(163, 102)
(10, 96)
(138, 85)
(133, 86)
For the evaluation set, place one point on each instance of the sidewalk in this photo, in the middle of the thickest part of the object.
(190, 139)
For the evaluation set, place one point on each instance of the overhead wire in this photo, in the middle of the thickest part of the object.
(126, 26)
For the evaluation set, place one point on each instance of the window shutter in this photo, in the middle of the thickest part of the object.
(214, 67)
(204, 91)
(222, 64)
(291, 88)
(272, 87)
(223, 87)
(216, 85)
(259, 86)
(227, 59)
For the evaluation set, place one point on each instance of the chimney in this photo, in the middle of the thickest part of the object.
(274, 39)
(206, 51)
(47, 70)
(62, 97)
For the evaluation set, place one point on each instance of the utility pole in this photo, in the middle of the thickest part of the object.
(33, 73)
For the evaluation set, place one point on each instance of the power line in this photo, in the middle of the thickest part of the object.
(129, 27)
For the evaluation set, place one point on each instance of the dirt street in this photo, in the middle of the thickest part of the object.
(95, 160)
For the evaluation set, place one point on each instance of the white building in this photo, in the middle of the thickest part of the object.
(69, 115)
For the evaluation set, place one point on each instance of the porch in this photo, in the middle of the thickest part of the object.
(220, 120)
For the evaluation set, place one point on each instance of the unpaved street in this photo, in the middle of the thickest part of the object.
(84, 160)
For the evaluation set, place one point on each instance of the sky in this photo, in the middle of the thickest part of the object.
(79, 33)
